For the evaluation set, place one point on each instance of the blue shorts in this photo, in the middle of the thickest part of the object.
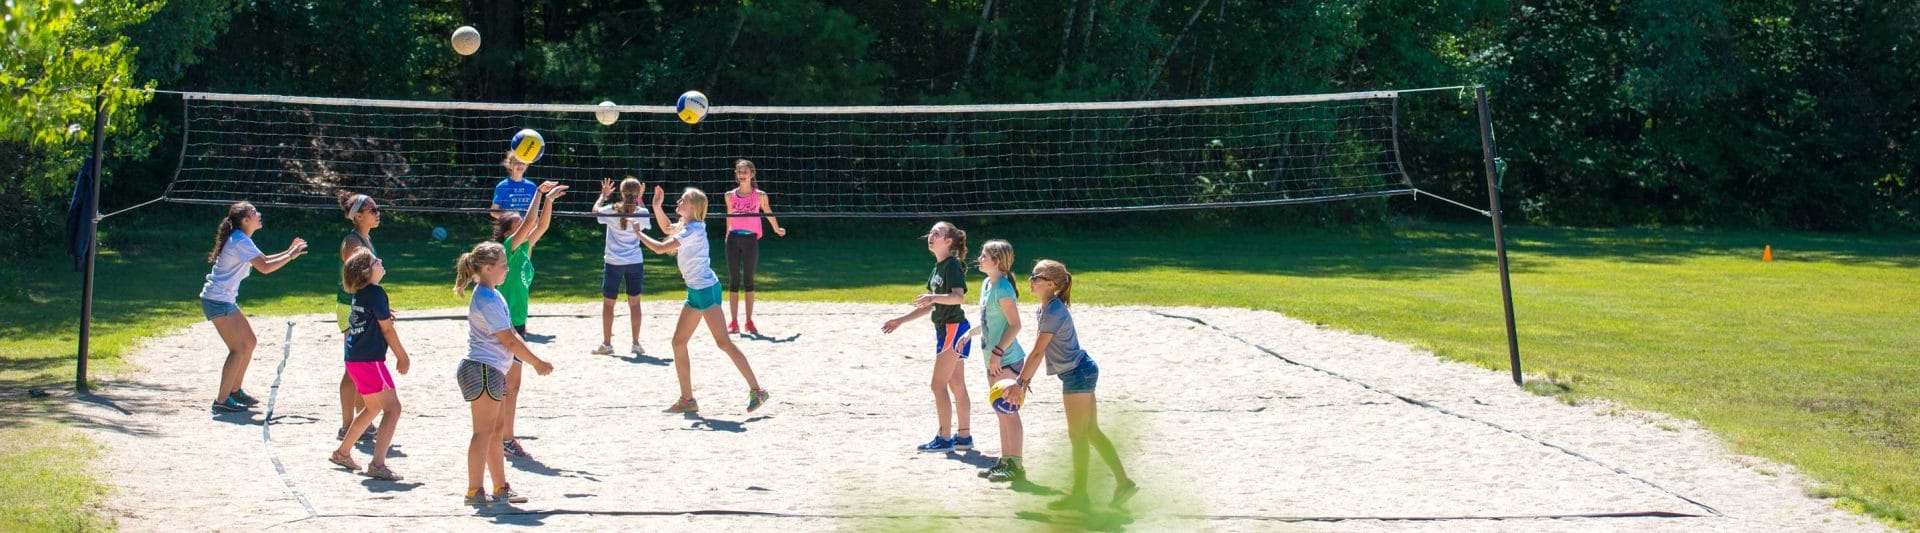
(952, 337)
(1081, 379)
(704, 299)
(614, 275)
(215, 309)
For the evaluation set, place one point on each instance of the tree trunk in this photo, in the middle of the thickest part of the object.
(1086, 28)
(500, 76)
(1154, 75)
(713, 76)
(986, 17)
(1206, 84)
(1066, 40)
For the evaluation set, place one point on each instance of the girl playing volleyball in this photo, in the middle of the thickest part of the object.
(369, 336)
(1053, 285)
(688, 241)
(519, 234)
(623, 257)
(743, 241)
(999, 326)
(234, 256)
(492, 347)
(364, 213)
(946, 289)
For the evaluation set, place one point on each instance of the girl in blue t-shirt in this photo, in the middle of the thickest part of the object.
(999, 328)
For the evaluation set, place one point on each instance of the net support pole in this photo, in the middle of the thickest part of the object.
(93, 239)
(1499, 236)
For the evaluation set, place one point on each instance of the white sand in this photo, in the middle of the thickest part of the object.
(1220, 434)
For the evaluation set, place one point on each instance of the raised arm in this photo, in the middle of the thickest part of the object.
(529, 219)
(660, 215)
(667, 246)
(546, 212)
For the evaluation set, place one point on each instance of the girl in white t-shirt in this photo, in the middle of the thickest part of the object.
(492, 345)
(234, 256)
(623, 257)
(688, 242)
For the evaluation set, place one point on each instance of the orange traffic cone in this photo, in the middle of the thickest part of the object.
(1767, 256)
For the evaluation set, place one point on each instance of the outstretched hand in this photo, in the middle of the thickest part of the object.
(659, 196)
(606, 187)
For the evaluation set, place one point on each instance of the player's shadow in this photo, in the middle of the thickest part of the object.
(647, 360)
(512, 515)
(381, 485)
(701, 423)
(1028, 487)
(366, 446)
(240, 418)
(769, 339)
(1091, 520)
(534, 466)
(973, 458)
(537, 338)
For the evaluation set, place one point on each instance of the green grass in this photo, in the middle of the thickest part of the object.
(1807, 360)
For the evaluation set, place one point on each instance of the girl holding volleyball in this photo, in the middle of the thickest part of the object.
(999, 327)
(519, 234)
(234, 257)
(687, 240)
(492, 349)
(946, 289)
(743, 241)
(364, 213)
(1053, 285)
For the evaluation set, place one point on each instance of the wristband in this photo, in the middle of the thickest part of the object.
(997, 352)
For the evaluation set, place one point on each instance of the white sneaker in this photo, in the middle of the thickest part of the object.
(604, 349)
(637, 350)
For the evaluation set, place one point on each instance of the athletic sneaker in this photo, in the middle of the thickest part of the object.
(240, 395)
(505, 494)
(684, 406)
(990, 471)
(733, 327)
(637, 350)
(478, 497)
(752, 330)
(1007, 470)
(512, 447)
(228, 405)
(604, 349)
(939, 444)
(1123, 493)
(963, 442)
(756, 399)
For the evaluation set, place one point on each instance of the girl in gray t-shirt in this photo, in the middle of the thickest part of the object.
(1053, 285)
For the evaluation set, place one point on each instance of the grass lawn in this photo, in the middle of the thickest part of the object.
(1807, 360)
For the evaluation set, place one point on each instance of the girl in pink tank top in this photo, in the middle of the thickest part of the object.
(743, 241)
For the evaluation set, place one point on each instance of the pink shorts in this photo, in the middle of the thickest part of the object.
(369, 377)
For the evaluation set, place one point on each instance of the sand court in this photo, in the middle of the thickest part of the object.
(1229, 419)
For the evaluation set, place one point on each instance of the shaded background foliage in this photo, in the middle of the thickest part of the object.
(1750, 113)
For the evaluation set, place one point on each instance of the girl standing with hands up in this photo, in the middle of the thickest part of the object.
(234, 257)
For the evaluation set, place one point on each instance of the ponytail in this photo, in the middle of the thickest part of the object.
(958, 247)
(630, 191)
(236, 213)
(467, 268)
(1057, 273)
(351, 203)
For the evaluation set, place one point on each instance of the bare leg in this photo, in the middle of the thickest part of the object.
(682, 332)
(484, 445)
(962, 402)
(389, 405)
(633, 310)
(237, 334)
(606, 321)
(943, 368)
(720, 339)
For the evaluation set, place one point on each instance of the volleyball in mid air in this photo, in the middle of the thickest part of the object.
(527, 146)
(691, 107)
(466, 40)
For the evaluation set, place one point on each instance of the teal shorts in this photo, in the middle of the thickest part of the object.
(704, 299)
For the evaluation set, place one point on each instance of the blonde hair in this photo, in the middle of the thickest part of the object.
(630, 191)
(1001, 252)
(357, 273)
(1057, 273)
(467, 269)
(696, 203)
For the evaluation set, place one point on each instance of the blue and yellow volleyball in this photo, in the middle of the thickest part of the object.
(998, 397)
(691, 107)
(528, 146)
